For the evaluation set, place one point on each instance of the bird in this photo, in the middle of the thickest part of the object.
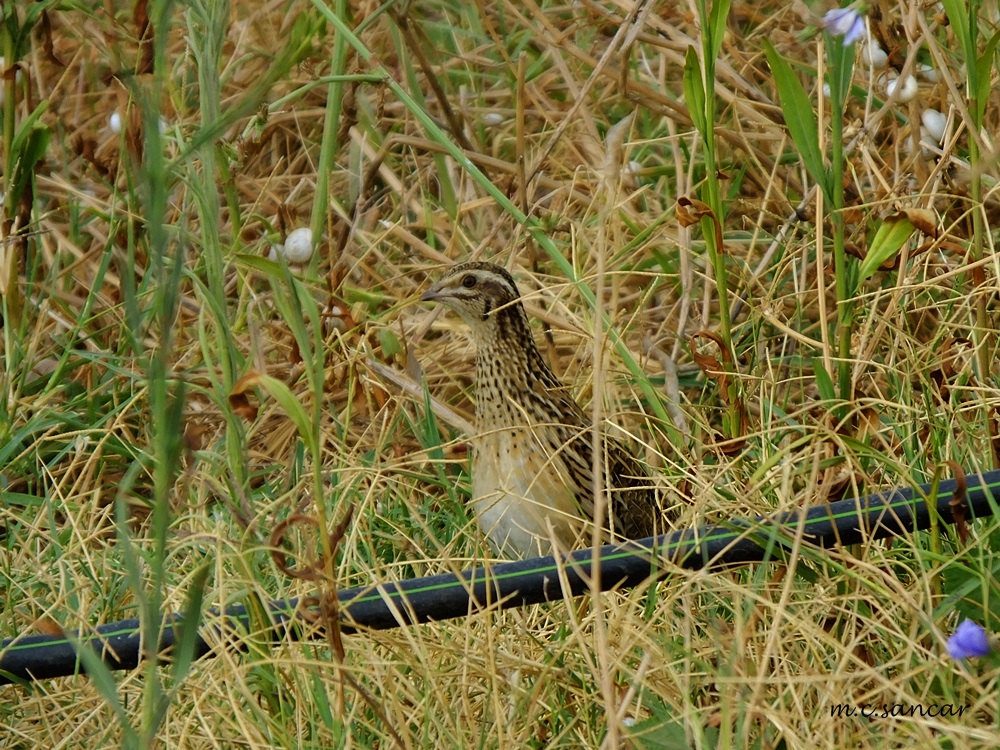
(532, 462)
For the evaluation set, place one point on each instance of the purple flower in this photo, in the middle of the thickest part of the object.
(968, 640)
(845, 22)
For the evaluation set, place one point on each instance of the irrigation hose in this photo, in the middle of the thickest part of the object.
(515, 584)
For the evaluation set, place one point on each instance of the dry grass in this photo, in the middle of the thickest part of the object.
(756, 656)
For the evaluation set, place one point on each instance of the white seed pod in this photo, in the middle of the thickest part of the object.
(873, 55)
(928, 146)
(632, 173)
(115, 122)
(934, 124)
(299, 245)
(335, 320)
(907, 88)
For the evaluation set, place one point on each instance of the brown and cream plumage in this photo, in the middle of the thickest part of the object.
(532, 471)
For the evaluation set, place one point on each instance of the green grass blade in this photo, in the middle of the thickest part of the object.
(800, 119)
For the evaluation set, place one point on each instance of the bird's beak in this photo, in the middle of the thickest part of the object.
(433, 294)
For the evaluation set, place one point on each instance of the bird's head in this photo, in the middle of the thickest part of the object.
(483, 294)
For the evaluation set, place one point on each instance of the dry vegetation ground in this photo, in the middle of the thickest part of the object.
(530, 92)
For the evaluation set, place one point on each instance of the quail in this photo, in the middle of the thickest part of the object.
(532, 465)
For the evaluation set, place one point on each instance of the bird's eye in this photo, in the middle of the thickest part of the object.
(469, 281)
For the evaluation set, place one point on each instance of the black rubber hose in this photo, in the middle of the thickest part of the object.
(514, 584)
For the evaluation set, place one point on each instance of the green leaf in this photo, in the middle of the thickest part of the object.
(26, 130)
(653, 734)
(823, 380)
(840, 70)
(717, 25)
(389, 343)
(694, 89)
(958, 21)
(984, 69)
(799, 118)
(28, 149)
(293, 408)
(664, 730)
(259, 263)
(102, 679)
(187, 627)
(889, 238)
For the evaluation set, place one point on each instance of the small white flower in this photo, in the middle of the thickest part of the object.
(299, 245)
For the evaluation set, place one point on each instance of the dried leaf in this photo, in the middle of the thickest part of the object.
(957, 504)
(47, 626)
(239, 401)
(134, 134)
(311, 572)
(952, 359)
(721, 375)
(10, 72)
(48, 46)
(143, 33)
(193, 434)
(923, 219)
(978, 275)
(338, 315)
(614, 155)
(691, 210)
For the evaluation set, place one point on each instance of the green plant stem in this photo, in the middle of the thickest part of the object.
(164, 400)
(839, 73)
(844, 310)
(711, 190)
(12, 299)
(331, 128)
(207, 25)
(713, 24)
(982, 335)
